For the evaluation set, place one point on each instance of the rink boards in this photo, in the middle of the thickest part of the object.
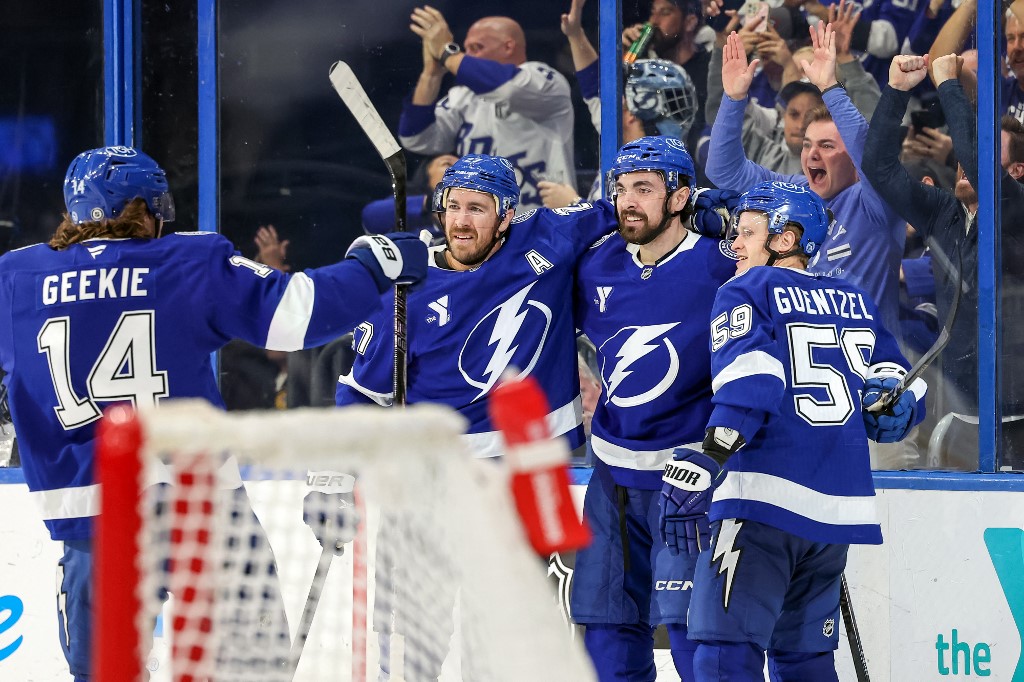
(937, 601)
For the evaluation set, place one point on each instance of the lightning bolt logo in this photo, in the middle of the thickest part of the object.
(510, 317)
(729, 557)
(638, 345)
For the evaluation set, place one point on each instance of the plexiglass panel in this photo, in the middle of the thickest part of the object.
(51, 108)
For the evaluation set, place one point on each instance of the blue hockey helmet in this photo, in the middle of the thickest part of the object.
(786, 203)
(492, 175)
(661, 94)
(657, 153)
(101, 182)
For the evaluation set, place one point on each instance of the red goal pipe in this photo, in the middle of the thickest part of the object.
(116, 654)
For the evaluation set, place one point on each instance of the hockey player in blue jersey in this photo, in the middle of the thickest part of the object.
(496, 297)
(106, 313)
(643, 296)
(797, 360)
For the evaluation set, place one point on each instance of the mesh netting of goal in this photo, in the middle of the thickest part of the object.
(205, 569)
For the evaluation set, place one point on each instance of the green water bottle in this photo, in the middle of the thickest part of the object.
(639, 45)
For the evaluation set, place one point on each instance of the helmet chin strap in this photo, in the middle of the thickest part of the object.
(666, 218)
(774, 256)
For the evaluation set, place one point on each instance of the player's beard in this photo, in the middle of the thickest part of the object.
(473, 257)
(642, 234)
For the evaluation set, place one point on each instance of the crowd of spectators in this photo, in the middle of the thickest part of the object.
(895, 162)
(774, 94)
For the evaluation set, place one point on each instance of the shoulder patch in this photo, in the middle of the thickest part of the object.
(723, 246)
(523, 216)
(602, 240)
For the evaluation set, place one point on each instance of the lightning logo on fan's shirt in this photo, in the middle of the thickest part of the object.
(638, 343)
(506, 326)
(729, 557)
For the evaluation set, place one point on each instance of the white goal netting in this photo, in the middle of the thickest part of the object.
(222, 582)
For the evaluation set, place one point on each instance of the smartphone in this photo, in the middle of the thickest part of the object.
(718, 23)
(931, 117)
(752, 11)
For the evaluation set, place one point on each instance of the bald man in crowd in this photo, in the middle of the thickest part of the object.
(501, 104)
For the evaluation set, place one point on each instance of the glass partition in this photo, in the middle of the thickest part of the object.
(51, 108)
(169, 87)
(292, 156)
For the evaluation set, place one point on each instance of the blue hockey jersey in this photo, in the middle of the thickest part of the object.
(113, 320)
(649, 325)
(467, 327)
(790, 354)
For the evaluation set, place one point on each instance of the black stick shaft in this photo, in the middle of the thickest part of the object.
(309, 610)
(860, 661)
(396, 165)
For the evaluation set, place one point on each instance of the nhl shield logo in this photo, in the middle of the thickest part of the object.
(828, 628)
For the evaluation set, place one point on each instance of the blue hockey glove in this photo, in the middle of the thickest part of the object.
(690, 480)
(332, 516)
(893, 424)
(712, 211)
(399, 258)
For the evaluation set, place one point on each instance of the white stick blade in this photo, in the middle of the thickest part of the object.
(351, 92)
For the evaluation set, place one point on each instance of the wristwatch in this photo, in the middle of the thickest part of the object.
(838, 84)
(449, 50)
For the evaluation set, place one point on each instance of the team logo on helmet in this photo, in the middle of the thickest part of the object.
(120, 150)
(96, 213)
(676, 144)
(789, 187)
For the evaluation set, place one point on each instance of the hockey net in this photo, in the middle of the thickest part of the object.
(199, 579)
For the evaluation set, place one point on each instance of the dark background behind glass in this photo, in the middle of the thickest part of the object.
(51, 108)
(291, 154)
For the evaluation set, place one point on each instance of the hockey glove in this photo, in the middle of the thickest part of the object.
(332, 516)
(690, 480)
(399, 258)
(712, 211)
(893, 424)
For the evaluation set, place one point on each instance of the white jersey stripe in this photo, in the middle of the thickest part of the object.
(836, 510)
(291, 319)
(641, 460)
(749, 364)
(68, 503)
(560, 421)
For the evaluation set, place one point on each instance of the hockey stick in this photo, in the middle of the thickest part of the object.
(860, 661)
(888, 399)
(309, 610)
(351, 92)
